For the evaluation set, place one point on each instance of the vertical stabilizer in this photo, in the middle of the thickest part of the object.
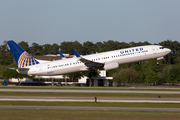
(21, 57)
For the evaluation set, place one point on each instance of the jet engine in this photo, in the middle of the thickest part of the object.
(111, 65)
(160, 58)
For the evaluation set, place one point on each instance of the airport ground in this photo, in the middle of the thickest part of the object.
(122, 103)
(86, 115)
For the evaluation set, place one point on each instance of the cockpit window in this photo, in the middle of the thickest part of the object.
(161, 47)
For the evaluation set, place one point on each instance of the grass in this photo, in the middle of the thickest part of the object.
(68, 94)
(92, 104)
(156, 88)
(18, 114)
(85, 115)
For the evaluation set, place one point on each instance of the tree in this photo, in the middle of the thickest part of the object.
(113, 45)
(152, 77)
(109, 45)
(164, 74)
(54, 48)
(74, 76)
(133, 75)
(144, 69)
(36, 49)
(89, 47)
(78, 47)
(66, 47)
(174, 74)
(100, 46)
(116, 77)
(133, 44)
(46, 49)
(2, 68)
(5, 53)
(24, 45)
(9, 73)
(126, 76)
(122, 45)
(174, 56)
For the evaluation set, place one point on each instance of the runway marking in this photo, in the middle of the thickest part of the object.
(90, 108)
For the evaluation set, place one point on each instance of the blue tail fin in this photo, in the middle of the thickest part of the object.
(62, 56)
(77, 55)
(21, 57)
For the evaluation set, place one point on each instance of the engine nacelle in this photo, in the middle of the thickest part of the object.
(160, 58)
(111, 65)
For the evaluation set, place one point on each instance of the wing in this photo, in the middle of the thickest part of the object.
(90, 64)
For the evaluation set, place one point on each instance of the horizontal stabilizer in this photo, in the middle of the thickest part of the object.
(19, 68)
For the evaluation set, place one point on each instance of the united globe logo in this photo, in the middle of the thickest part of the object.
(26, 60)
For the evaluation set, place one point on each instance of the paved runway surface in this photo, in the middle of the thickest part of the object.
(90, 108)
(90, 99)
(89, 91)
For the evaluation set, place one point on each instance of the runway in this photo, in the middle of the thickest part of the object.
(89, 91)
(90, 99)
(90, 108)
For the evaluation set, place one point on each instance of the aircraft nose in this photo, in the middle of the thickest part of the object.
(168, 50)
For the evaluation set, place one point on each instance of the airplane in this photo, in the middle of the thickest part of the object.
(99, 61)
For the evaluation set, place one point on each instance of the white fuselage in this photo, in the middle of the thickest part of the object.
(122, 56)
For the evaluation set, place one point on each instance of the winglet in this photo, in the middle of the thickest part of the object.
(77, 55)
(62, 56)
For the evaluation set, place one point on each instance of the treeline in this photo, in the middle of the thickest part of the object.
(87, 48)
(147, 72)
(66, 47)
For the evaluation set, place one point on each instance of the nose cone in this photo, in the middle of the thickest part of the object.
(168, 50)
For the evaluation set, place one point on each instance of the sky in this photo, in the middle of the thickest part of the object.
(56, 21)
